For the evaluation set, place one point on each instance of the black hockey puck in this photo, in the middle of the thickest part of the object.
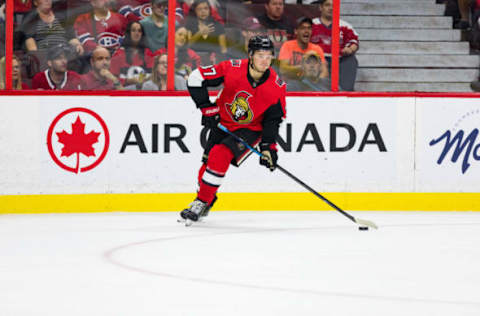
(362, 228)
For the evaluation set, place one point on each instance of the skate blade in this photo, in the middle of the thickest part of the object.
(190, 222)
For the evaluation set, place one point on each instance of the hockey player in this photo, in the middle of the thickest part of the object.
(251, 105)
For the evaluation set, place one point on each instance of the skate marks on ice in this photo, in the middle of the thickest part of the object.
(211, 230)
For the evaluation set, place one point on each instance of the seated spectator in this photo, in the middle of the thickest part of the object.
(43, 28)
(17, 83)
(310, 77)
(2, 28)
(186, 59)
(460, 11)
(57, 77)
(205, 35)
(133, 61)
(158, 80)
(156, 26)
(251, 28)
(20, 9)
(291, 53)
(278, 27)
(134, 10)
(100, 27)
(322, 35)
(137, 10)
(100, 77)
(215, 6)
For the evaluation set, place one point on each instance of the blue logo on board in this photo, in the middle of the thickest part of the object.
(460, 142)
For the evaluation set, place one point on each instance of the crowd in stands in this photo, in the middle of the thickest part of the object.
(122, 44)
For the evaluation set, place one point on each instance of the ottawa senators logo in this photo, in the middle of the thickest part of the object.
(240, 110)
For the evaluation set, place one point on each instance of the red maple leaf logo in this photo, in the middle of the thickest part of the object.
(78, 142)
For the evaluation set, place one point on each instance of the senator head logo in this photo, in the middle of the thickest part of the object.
(78, 140)
(239, 109)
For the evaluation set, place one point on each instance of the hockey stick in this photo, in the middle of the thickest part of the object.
(361, 222)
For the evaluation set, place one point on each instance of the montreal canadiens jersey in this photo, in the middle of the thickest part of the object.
(71, 81)
(134, 10)
(107, 33)
(243, 102)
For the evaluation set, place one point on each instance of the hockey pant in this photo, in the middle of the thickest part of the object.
(222, 150)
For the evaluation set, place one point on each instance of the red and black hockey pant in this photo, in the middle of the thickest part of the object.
(222, 150)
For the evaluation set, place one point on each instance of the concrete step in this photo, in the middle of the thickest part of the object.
(419, 61)
(392, 8)
(399, 22)
(413, 86)
(408, 35)
(417, 75)
(414, 48)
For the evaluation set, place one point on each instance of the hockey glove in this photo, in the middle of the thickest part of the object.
(210, 115)
(269, 155)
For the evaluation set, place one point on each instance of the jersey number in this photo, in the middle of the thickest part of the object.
(210, 71)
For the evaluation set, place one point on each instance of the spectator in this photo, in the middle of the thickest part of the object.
(205, 35)
(133, 61)
(156, 26)
(42, 29)
(21, 8)
(322, 35)
(100, 76)
(2, 73)
(134, 10)
(278, 27)
(251, 28)
(2, 28)
(186, 58)
(17, 83)
(57, 77)
(460, 11)
(310, 78)
(291, 53)
(100, 27)
(159, 76)
(215, 6)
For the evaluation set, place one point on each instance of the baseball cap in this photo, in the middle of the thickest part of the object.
(56, 50)
(252, 24)
(303, 19)
(312, 55)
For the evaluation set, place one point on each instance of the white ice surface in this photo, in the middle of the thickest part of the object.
(240, 263)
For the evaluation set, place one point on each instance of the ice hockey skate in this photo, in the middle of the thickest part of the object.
(202, 215)
(194, 212)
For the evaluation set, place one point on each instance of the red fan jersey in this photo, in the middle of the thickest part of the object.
(322, 35)
(107, 33)
(134, 10)
(120, 67)
(22, 5)
(243, 102)
(71, 81)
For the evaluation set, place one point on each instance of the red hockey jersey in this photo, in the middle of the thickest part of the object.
(107, 33)
(71, 81)
(244, 103)
(134, 10)
(322, 35)
(121, 68)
